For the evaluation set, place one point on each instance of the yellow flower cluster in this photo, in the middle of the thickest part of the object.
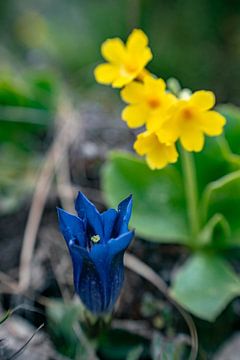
(167, 119)
(124, 62)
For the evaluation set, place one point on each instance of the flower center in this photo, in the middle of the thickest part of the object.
(154, 103)
(130, 68)
(95, 239)
(188, 113)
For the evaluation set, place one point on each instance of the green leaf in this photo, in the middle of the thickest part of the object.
(5, 316)
(205, 285)
(223, 196)
(232, 128)
(219, 181)
(117, 344)
(27, 105)
(215, 232)
(61, 319)
(158, 197)
(211, 163)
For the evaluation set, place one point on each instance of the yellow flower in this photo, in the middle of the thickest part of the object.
(190, 119)
(158, 154)
(125, 62)
(148, 101)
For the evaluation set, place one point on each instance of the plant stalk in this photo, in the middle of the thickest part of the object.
(190, 184)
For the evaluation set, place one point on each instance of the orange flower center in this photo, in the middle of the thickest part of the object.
(130, 68)
(188, 113)
(154, 103)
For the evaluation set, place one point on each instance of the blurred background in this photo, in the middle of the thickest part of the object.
(57, 125)
(198, 42)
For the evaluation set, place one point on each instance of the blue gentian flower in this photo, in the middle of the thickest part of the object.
(97, 243)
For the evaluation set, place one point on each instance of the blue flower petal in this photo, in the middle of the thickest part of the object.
(71, 227)
(87, 281)
(124, 214)
(78, 254)
(102, 259)
(116, 277)
(109, 265)
(121, 243)
(90, 287)
(98, 267)
(108, 219)
(86, 210)
(117, 248)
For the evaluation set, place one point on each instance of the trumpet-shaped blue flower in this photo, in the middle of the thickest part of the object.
(97, 243)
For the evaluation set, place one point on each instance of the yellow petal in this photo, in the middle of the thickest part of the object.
(137, 40)
(123, 79)
(113, 50)
(154, 122)
(105, 73)
(135, 115)
(144, 57)
(154, 85)
(158, 155)
(144, 143)
(156, 161)
(169, 131)
(212, 123)
(192, 140)
(144, 73)
(136, 61)
(172, 153)
(133, 93)
(203, 99)
(161, 156)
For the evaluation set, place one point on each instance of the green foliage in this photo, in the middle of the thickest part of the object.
(5, 316)
(159, 209)
(27, 107)
(204, 285)
(119, 344)
(159, 212)
(61, 319)
(223, 196)
(76, 51)
(111, 344)
(216, 233)
(232, 129)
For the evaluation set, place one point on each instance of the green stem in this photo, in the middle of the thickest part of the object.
(190, 184)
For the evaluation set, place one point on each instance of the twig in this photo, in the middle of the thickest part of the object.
(136, 265)
(53, 160)
(64, 182)
(9, 282)
(17, 353)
